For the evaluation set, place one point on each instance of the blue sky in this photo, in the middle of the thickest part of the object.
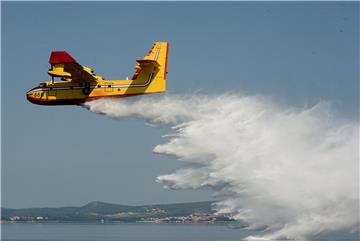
(297, 52)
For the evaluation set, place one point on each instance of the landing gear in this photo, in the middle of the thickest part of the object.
(86, 89)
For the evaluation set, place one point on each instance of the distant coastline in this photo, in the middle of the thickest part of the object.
(194, 212)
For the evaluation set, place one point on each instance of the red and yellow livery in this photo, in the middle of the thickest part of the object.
(79, 84)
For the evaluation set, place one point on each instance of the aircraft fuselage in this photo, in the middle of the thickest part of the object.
(78, 84)
(62, 93)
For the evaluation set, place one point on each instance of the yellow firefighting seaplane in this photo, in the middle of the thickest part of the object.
(78, 84)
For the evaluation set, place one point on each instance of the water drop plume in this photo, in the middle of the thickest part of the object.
(294, 172)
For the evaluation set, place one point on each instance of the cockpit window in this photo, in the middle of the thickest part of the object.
(42, 85)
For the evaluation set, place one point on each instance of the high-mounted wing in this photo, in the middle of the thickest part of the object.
(65, 66)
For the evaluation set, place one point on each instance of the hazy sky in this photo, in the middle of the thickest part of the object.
(298, 52)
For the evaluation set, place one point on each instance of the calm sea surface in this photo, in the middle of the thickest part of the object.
(121, 232)
(136, 232)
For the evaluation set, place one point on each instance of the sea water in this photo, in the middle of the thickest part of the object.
(121, 232)
(138, 232)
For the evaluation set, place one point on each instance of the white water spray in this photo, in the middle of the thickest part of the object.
(293, 171)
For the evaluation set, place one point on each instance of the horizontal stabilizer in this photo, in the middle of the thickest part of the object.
(148, 62)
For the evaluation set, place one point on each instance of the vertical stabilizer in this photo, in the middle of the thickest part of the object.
(152, 69)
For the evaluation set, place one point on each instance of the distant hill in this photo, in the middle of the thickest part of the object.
(101, 211)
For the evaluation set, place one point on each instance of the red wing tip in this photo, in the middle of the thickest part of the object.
(61, 57)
